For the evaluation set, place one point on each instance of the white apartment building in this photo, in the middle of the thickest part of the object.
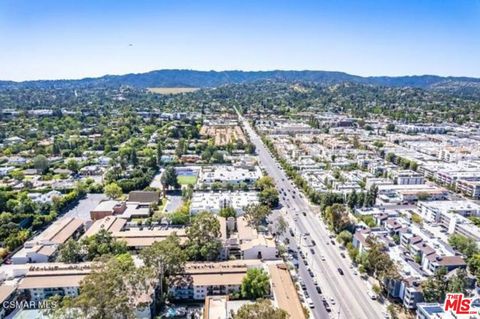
(215, 201)
(407, 177)
(228, 174)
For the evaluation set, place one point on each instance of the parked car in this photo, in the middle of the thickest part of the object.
(340, 271)
(319, 290)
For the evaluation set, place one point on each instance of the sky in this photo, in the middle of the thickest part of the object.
(69, 39)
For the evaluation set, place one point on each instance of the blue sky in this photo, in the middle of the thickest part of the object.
(53, 39)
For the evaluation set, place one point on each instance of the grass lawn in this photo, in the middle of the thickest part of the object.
(171, 90)
(186, 180)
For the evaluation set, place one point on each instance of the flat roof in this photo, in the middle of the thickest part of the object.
(106, 205)
(284, 291)
(218, 279)
(245, 232)
(51, 281)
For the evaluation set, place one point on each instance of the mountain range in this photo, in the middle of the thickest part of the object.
(206, 79)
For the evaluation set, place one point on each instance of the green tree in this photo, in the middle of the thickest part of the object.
(113, 287)
(181, 216)
(256, 214)
(463, 244)
(102, 243)
(159, 154)
(73, 165)
(204, 237)
(269, 197)
(164, 258)
(227, 212)
(113, 191)
(435, 287)
(459, 282)
(169, 179)
(17, 175)
(41, 164)
(281, 225)
(70, 252)
(265, 182)
(352, 199)
(390, 127)
(255, 284)
(337, 217)
(474, 265)
(344, 237)
(261, 309)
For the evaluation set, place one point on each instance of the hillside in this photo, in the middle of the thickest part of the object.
(204, 79)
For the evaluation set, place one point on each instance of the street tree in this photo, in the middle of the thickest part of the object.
(256, 214)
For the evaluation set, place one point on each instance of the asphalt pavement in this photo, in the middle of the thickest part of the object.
(348, 291)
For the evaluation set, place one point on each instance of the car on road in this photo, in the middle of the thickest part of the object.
(332, 242)
(327, 306)
(291, 232)
(340, 271)
(312, 251)
(310, 303)
(304, 213)
(332, 301)
(372, 295)
(314, 243)
(319, 290)
(323, 258)
(342, 254)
